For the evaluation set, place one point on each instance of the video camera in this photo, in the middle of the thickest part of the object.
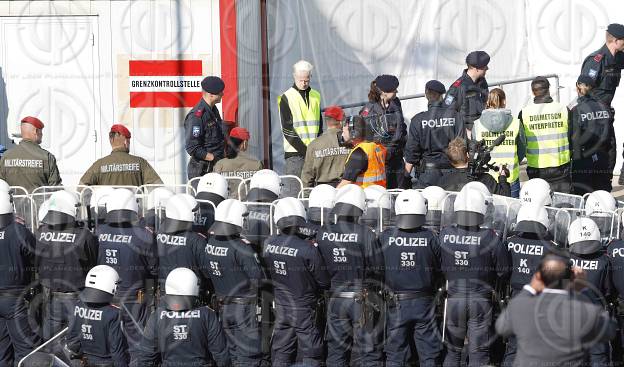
(479, 156)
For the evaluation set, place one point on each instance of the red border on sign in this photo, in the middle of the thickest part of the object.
(165, 68)
(164, 99)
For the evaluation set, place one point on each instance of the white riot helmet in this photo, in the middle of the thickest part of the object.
(536, 191)
(600, 201)
(410, 208)
(178, 214)
(470, 208)
(322, 196)
(182, 289)
(61, 208)
(157, 198)
(6, 203)
(584, 236)
(376, 199)
(532, 218)
(289, 212)
(97, 204)
(435, 196)
(213, 187)
(479, 186)
(122, 207)
(265, 186)
(350, 201)
(100, 285)
(229, 218)
(4, 186)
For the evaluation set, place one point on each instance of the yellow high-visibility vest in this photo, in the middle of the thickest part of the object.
(305, 117)
(506, 152)
(546, 131)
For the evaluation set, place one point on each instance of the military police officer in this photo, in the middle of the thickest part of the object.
(27, 164)
(472, 258)
(429, 135)
(326, 156)
(130, 250)
(17, 255)
(179, 332)
(468, 94)
(65, 253)
(205, 141)
(412, 265)
(230, 262)
(120, 167)
(94, 334)
(605, 66)
(298, 276)
(354, 261)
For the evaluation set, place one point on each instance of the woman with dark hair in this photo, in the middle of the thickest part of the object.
(389, 129)
(237, 163)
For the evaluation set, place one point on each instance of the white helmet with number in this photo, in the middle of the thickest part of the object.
(61, 208)
(350, 201)
(179, 214)
(435, 196)
(600, 201)
(265, 186)
(289, 212)
(532, 218)
(470, 207)
(213, 187)
(182, 289)
(6, 203)
(122, 206)
(584, 236)
(157, 198)
(410, 208)
(536, 191)
(100, 285)
(229, 218)
(322, 196)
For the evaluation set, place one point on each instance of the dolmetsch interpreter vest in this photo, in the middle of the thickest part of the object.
(546, 131)
(506, 152)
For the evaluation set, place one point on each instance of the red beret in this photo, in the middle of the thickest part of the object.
(334, 112)
(33, 121)
(239, 133)
(120, 129)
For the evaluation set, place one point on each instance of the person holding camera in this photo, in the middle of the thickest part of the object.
(462, 173)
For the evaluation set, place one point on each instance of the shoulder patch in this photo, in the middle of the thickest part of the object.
(199, 112)
(196, 131)
(598, 57)
(449, 99)
(592, 73)
(364, 113)
(457, 83)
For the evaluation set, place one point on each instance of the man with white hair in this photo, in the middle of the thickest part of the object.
(300, 115)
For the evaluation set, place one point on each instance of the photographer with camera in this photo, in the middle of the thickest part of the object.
(474, 167)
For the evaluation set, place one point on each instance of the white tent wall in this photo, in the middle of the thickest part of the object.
(114, 33)
(351, 42)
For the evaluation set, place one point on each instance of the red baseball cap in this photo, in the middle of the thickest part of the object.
(33, 121)
(239, 133)
(120, 129)
(334, 112)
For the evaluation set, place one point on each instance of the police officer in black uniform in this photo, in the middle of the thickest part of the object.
(298, 275)
(320, 204)
(177, 245)
(354, 261)
(131, 251)
(605, 66)
(179, 333)
(94, 334)
(65, 253)
(383, 101)
(473, 258)
(615, 251)
(412, 265)
(429, 135)
(230, 262)
(212, 189)
(17, 255)
(587, 253)
(205, 142)
(468, 94)
(526, 247)
(591, 128)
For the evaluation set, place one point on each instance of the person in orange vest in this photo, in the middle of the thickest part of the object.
(365, 165)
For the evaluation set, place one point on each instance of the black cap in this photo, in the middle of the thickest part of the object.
(616, 30)
(213, 84)
(587, 80)
(478, 59)
(541, 81)
(435, 86)
(387, 83)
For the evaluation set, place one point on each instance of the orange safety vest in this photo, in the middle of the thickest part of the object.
(375, 173)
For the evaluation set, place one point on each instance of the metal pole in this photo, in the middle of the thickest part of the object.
(42, 346)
